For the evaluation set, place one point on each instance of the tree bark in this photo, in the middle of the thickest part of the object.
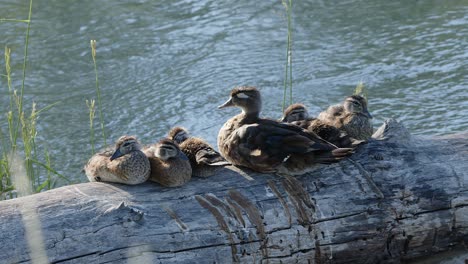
(397, 198)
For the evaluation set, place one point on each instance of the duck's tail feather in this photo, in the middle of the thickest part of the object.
(333, 156)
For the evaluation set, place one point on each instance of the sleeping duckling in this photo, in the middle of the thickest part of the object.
(351, 117)
(298, 115)
(125, 164)
(205, 161)
(169, 166)
(266, 145)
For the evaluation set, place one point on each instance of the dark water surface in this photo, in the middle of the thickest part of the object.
(165, 63)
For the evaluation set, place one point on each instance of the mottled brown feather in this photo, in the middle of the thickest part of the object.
(356, 124)
(171, 172)
(131, 168)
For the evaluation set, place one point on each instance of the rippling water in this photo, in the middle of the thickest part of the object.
(172, 62)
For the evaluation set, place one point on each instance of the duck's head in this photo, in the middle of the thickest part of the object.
(166, 149)
(178, 134)
(246, 97)
(125, 145)
(295, 112)
(356, 104)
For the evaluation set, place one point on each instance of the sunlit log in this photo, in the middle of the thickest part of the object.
(397, 198)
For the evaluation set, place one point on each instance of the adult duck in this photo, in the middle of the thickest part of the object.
(266, 145)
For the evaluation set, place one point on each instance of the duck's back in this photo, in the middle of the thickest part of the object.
(173, 172)
(357, 126)
(205, 161)
(333, 116)
(132, 168)
(265, 144)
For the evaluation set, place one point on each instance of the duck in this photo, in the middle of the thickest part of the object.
(267, 145)
(125, 163)
(352, 117)
(204, 159)
(170, 167)
(298, 115)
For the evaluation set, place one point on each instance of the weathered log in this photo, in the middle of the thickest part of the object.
(397, 198)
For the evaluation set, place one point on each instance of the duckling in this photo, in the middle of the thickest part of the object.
(298, 115)
(125, 164)
(205, 161)
(352, 117)
(269, 146)
(169, 166)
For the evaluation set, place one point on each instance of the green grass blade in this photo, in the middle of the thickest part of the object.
(98, 91)
(51, 170)
(14, 20)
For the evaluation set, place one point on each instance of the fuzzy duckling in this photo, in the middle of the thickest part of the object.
(169, 166)
(352, 117)
(205, 161)
(266, 145)
(125, 164)
(298, 115)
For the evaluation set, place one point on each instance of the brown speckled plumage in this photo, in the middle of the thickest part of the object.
(267, 145)
(298, 115)
(128, 165)
(352, 117)
(205, 161)
(170, 167)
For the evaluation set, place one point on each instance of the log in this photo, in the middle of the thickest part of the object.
(397, 198)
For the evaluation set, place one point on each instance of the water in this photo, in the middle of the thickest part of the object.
(166, 63)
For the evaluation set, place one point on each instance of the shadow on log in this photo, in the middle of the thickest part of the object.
(397, 198)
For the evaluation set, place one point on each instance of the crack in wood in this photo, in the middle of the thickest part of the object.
(145, 250)
(74, 257)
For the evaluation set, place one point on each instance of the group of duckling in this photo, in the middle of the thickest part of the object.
(291, 145)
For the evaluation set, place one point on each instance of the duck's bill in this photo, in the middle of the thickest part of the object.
(228, 103)
(368, 114)
(116, 154)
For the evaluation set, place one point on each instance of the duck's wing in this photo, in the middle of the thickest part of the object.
(280, 139)
(293, 128)
(330, 133)
(210, 157)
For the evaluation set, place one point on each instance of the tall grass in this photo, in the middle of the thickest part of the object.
(19, 149)
(92, 109)
(288, 65)
(361, 89)
(98, 91)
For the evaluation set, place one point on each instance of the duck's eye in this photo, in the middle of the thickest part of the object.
(126, 144)
(242, 96)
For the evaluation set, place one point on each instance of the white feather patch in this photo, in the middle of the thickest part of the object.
(242, 96)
